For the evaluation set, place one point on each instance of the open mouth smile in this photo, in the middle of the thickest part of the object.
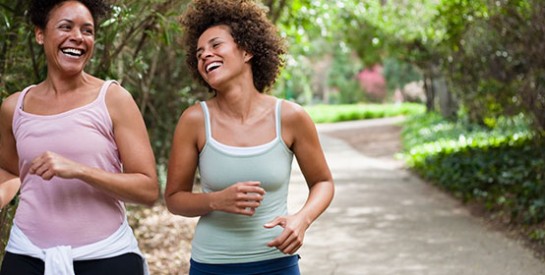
(212, 66)
(73, 52)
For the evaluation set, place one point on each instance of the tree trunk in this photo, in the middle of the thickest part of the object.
(447, 104)
(430, 92)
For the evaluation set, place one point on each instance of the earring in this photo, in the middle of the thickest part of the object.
(40, 42)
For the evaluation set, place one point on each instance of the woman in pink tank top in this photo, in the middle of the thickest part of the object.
(77, 148)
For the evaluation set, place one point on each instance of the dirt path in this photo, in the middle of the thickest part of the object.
(384, 220)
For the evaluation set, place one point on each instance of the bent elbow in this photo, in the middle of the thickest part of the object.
(151, 195)
(171, 205)
(174, 208)
(151, 200)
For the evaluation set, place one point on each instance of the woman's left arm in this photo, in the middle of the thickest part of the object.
(138, 181)
(299, 133)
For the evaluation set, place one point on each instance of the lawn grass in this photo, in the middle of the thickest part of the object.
(345, 112)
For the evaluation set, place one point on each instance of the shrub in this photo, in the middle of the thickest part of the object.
(502, 167)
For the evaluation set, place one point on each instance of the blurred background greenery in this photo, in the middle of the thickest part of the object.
(470, 74)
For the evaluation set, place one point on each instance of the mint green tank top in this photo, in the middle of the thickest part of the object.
(222, 237)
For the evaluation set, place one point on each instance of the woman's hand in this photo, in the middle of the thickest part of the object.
(49, 164)
(299, 133)
(240, 198)
(293, 234)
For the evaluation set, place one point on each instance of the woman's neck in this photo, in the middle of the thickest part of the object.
(238, 102)
(59, 85)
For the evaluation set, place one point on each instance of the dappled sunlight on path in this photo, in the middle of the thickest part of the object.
(384, 220)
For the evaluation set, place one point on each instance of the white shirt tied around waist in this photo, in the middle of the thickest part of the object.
(59, 259)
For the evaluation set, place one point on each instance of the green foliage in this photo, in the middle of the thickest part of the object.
(19, 55)
(343, 77)
(490, 51)
(6, 217)
(345, 112)
(399, 73)
(538, 235)
(493, 57)
(312, 32)
(380, 29)
(502, 166)
(295, 80)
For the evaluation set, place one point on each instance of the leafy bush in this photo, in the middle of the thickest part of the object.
(6, 217)
(503, 166)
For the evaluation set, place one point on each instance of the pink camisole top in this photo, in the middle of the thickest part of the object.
(67, 211)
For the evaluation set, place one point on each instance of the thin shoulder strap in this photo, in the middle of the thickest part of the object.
(21, 98)
(207, 128)
(278, 118)
(104, 89)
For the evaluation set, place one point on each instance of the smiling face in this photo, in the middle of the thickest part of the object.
(68, 37)
(219, 57)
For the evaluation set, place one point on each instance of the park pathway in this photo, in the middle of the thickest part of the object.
(385, 220)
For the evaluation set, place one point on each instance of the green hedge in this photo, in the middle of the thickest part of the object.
(503, 166)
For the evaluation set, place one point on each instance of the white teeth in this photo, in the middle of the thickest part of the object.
(212, 66)
(72, 51)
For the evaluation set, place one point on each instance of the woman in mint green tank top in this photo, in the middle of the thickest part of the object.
(242, 142)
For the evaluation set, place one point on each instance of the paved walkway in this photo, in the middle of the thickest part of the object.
(384, 220)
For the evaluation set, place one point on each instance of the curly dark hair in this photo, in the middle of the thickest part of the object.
(251, 31)
(40, 9)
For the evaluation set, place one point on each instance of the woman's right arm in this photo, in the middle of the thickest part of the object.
(182, 165)
(189, 137)
(9, 185)
(9, 161)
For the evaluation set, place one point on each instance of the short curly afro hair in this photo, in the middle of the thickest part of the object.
(252, 31)
(40, 9)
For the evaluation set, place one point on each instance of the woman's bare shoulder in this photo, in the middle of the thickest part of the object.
(191, 126)
(193, 113)
(192, 117)
(117, 94)
(9, 103)
(293, 112)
